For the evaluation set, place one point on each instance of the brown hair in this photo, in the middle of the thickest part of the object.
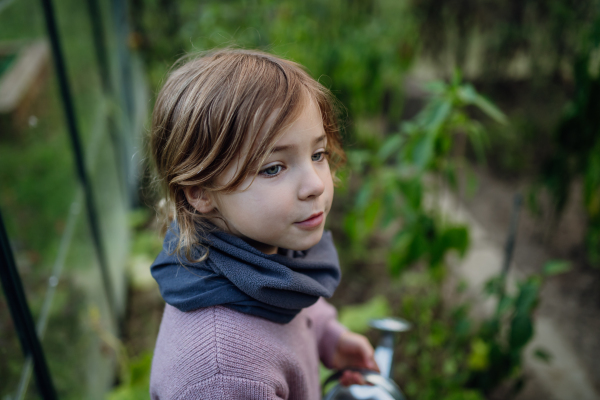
(210, 106)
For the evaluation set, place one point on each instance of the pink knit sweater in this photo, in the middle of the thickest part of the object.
(217, 353)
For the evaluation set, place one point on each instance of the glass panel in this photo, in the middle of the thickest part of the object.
(36, 165)
(112, 210)
(80, 336)
(44, 209)
(92, 110)
(80, 59)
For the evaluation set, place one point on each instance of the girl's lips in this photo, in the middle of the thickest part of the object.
(312, 222)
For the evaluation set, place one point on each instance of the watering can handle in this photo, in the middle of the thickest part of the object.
(371, 377)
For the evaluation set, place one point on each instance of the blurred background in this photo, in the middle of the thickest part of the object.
(470, 204)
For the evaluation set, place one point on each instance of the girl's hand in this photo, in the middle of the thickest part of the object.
(353, 350)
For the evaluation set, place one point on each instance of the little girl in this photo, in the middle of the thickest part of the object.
(246, 145)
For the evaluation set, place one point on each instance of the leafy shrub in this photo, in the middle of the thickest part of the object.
(395, 172)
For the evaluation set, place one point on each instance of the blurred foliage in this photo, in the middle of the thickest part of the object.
(38, 190)
(357, 317)
(577, 143)
(135, 379)
(497, 347)
(548, 50)
(358, 48)
(401, 173)
(547, 33)
(450, 355)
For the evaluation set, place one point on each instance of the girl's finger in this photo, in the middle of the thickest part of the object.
(351, 378)
(359, 380)
(346, 378)
(372, 365)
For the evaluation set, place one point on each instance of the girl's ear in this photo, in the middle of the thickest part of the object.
(200, 199)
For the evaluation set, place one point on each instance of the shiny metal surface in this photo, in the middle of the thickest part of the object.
(391, 324)
(380, 386)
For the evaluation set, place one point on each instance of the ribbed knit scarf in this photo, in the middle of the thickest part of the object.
(238, 276)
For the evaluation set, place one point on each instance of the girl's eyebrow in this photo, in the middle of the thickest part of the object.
(291, 146)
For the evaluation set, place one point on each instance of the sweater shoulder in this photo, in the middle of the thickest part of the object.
(198, 346)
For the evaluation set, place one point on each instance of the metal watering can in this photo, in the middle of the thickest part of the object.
(380, 386)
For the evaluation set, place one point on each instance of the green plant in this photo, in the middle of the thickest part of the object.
(498, 345)
(448, 354)
(402, 173)
(359, 49)
(135, 381)
(431, 361)
(401, 177)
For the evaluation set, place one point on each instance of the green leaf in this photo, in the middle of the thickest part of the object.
(391, 145)
(556, 267)
(456, 76)
(493, 286)
(436, 116)
(479, 357)
(521, 330)
(436, 87)
(422, 151)
(450, 175)
(412, 191)
(397, 256)
(489, 109)
(542, 355)
(464, 394)
(472, 184)
(357, 159)
(140, 369)
(504, 305)
(457, 238)
(352, 228)
(528, 295)
(356, 317)
(371, 214)
(364, 194)
(476, 135)
(389, 205)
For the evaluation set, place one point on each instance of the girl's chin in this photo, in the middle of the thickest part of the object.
(308, 242)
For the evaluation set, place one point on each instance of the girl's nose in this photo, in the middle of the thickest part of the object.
(311, 185)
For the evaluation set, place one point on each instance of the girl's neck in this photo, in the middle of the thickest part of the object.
(262, 247)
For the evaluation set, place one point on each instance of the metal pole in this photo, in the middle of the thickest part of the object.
(65, 92)
(510, 244)
(21, 315)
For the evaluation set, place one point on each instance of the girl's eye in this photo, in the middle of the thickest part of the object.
(272, 170)
(319, 156)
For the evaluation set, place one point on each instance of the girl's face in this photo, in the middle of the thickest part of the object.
(287, 203)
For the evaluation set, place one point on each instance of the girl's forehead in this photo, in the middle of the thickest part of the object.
(308, 123)
(307, 108)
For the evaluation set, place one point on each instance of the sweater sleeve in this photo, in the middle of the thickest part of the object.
(327, 329)
(222, 387)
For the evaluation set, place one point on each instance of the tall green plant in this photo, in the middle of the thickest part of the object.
(402, 174)
(497, 347)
